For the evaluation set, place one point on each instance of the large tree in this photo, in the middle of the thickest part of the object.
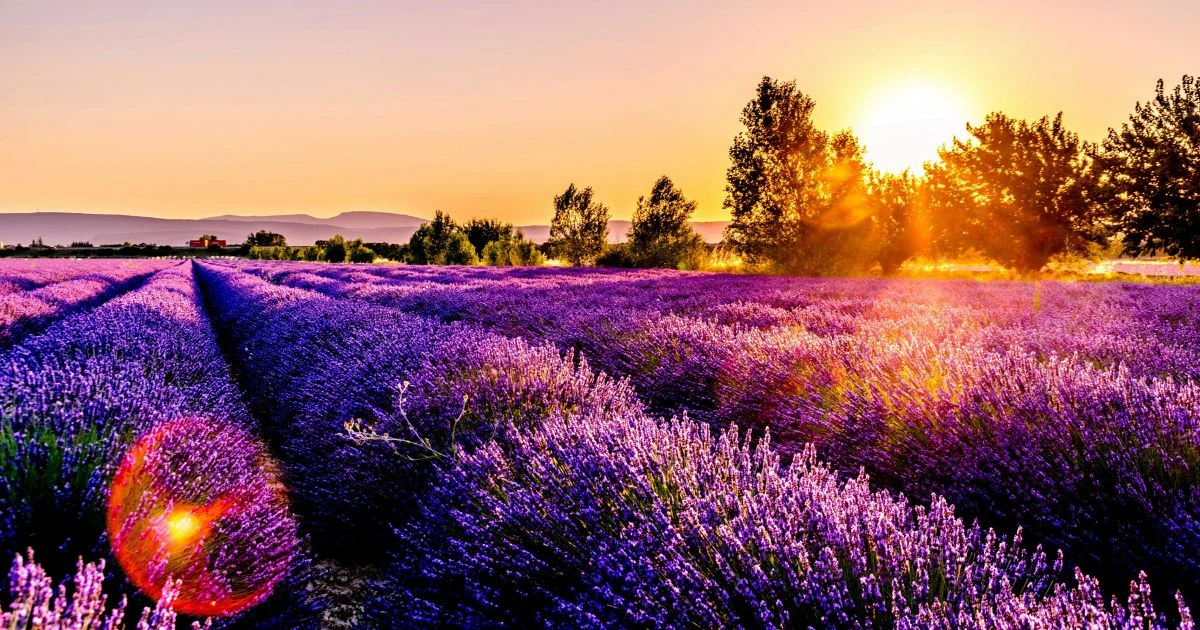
(431, 241)
(483, 231)
(900, 223)
(1019, 192)
(263, 238)
(579, 230)
(795, 194)
(661, 234)
(1152, 174)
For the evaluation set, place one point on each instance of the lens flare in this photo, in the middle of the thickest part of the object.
(197, 501)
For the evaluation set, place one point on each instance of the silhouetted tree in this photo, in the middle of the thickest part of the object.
(483, 231)
(579, 230)
(1017, 191)
(263, 238)
(1152, 173)
(430, 242)
(661, 235)
(795, 194)
(898, 211)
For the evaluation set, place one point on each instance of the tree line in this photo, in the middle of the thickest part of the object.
(806, 201)
(1019, 192)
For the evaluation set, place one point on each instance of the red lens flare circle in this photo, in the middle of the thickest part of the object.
(198, 502)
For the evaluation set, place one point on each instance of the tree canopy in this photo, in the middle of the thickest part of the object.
(263, 238)
(579, 230)
(1020, 192)
(1151, 174)
(483, 231)
(795, 193)
(431, 242)
(661, 234)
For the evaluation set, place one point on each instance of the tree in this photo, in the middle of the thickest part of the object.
(1017, 191)
(334, 250)
(356, 252)
(512, 250)
(795, 194)
(901, 227)
(391, 251)
(661, 235)
(459, 251)
(263, 238)
(579, 230)
(429, 243)
(483, 231)
(1151, 174)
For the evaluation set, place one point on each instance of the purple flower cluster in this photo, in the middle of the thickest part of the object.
(197, 503)
(80, 393)
(476, 447)
(32, 295)
(312, 364)
(37, 604)
(1068, 409)
(635, 522)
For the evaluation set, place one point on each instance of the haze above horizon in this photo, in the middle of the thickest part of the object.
(480, 109)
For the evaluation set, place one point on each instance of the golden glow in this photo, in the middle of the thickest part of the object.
(193, 109)
(904, 125)
(183, 528)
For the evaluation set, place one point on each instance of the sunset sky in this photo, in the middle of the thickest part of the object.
(488, 108)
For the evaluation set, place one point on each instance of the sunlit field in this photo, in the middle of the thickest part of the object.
(304, 444)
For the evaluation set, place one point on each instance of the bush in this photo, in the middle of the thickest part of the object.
(617, 256)
(514, 250)
(460, 251)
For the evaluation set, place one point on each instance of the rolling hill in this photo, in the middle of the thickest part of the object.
(63, 228)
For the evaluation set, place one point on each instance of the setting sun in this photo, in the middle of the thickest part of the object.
(903, 126)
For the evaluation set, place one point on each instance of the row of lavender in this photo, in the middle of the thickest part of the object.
(506, 482)
(33, 294)
(75, 398)
(1068, 409)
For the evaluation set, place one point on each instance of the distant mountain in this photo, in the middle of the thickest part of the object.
(355, 219)
(63, 228)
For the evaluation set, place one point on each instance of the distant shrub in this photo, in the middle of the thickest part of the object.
(460, 251)
(359, 253)
(512, 250)
(618, 255)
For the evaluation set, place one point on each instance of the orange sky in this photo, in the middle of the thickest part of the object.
(490, 109)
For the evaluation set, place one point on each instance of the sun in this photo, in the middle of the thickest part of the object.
(906, 123)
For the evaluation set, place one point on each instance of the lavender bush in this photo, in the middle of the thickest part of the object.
(312, 364)
(37, 604)
(79, 394)
(1041, 406)
(473, 447)
(31, 297)
(640, 523)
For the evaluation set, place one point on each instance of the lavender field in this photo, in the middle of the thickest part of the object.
(277, 444)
